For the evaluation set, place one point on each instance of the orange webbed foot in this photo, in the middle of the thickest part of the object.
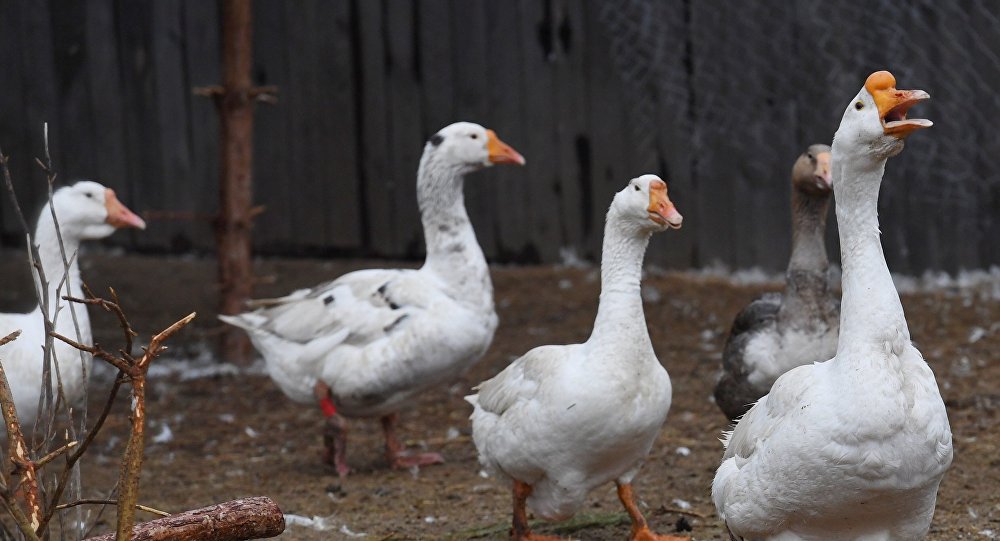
(645, 534)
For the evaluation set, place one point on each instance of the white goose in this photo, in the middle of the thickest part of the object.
(367, 342)
(544, 422)
(781, 330)
(86, 210)
(853, 448)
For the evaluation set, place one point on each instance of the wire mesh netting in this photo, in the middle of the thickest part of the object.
(750, 84)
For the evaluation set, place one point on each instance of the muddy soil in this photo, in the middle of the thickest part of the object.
(233, 434)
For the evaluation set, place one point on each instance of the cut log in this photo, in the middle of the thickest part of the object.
(249, 518)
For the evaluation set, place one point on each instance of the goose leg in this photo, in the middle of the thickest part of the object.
(395, 453)
(520, 530)
(334, 432)
(640, 530)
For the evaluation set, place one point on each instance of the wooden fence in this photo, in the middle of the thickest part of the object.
(718, 97)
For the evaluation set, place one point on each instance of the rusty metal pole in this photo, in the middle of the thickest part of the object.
(235, 100)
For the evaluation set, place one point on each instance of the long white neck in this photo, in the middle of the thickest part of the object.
(619, 312)
(870, 308)
(452, 250)
(52, 264)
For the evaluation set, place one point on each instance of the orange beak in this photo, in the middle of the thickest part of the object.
(893, 104)
(501, 152)
(661, 209)
(118, 214)
(822, 171)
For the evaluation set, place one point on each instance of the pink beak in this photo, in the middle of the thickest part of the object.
(118, 214)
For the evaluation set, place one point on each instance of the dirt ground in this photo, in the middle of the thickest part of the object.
(233, 434)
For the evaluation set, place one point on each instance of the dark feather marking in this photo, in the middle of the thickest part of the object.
(328, 299)
(389, 328)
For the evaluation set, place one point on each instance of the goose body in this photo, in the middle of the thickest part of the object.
(779, 331)
(86, 210)
(365, 343)
(563, 420)
(853, 448)
(376, 337)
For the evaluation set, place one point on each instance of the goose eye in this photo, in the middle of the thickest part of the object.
(474, 136)
(859, 106)
(89, 195)
(636, 187)
(810, 156)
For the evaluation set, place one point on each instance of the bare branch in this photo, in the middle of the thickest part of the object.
(10, 337)
(92, 501)
(96, 351)
(54, 454)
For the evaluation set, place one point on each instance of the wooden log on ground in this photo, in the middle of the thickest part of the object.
(249, 518)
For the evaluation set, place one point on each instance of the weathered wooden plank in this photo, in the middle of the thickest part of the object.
(674, 148)
(434, 43)
(503, 187)
(714, 172)
(15, 141)
(202, 66)
(273, 178)
(335, 112)
(376, 153)
(142, 147)
(300, 101)
(609, 139)
(406, 135)
(39, 102)
(104, 95)
(540, 181)
(569, 131)
(74, 120)
(170, 120)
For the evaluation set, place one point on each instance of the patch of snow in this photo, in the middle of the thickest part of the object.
(988, 533)
(204, 365)
(962, 368)
(565, 283)
(751, 276)
(569, 258)
(683, 451)
(320, 524)
(681, 504)
(430, 520)
(650, 294)
(227, 418)
(976, 334)
(251, 432)
(165, 435)
(452, 433)
(484, 474)
(347, 531)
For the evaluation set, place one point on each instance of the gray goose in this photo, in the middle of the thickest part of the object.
(781, 330)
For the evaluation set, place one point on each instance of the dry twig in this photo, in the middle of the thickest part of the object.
(134, 371)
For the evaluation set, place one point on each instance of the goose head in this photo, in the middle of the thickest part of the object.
(88, 210)
(470, 147)
(811, 173)
(644, 203)
(875, 122)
